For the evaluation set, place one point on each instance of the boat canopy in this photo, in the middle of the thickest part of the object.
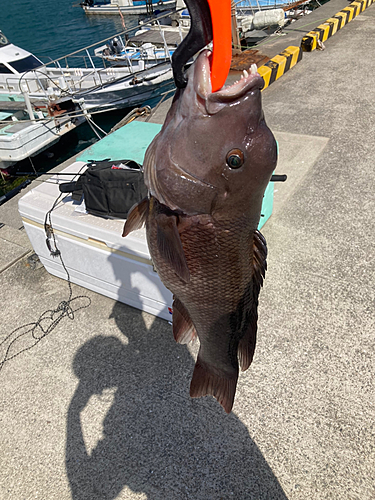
(15, 60)
(122, 3)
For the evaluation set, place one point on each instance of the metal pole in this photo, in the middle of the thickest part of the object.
(166, 49)
(236, 43)
(28, 103)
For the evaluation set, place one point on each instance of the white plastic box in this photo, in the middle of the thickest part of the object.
(93, 250)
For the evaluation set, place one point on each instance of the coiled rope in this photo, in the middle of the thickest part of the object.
(36, 331)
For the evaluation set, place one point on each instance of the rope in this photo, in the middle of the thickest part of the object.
(70, 114)
(91, 123)
(48, 320)
(132, 115)
(97, 126)
(32, 165)
(159, 103)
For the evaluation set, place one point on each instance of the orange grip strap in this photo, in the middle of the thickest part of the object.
(221, 16)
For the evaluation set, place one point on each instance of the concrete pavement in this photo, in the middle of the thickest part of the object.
(99, 409)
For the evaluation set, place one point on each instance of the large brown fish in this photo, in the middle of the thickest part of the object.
(206, 172)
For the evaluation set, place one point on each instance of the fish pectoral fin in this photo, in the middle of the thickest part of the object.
(183, 328)
(169, 245)
(136, 217)
(208, 381)
(246, 346)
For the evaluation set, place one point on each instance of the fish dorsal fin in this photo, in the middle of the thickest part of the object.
(136, 217)
(259, 259)
(183, 328)
(246, 345)
(169, 245)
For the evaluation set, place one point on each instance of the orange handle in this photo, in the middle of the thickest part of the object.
(221, 16)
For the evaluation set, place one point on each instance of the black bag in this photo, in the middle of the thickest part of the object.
(109, 188)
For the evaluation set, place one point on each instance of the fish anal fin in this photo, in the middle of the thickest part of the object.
(183, 328)
(136, 217)
(208, 381)
(169, 245)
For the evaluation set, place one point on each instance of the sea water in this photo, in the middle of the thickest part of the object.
(51, 29)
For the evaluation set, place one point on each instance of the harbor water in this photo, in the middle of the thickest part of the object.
(52, 29)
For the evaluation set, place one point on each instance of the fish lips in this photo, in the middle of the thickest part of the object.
(215, 101)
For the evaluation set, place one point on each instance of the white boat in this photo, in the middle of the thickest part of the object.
(139, 58)
(41, 102)
(148, 47)
(102, 86)
(128, 7)
(249, 7)
(26, 130)
(135, 89)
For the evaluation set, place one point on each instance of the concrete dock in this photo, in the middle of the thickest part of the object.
(99, 409)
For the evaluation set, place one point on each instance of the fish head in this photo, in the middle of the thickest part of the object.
(214, 152)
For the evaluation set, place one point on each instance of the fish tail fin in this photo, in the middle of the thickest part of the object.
(183, 328)
(207, 381)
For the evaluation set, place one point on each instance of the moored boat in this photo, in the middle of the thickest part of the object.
(128, 7)
(101, 84)
(249, 7)
(142, 51)
(26, 130)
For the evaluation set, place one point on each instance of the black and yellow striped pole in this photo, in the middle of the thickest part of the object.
(280, 64)
(325, 30)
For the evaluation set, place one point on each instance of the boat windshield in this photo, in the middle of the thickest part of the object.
(3, 40)
(4, 69)
(27, 64)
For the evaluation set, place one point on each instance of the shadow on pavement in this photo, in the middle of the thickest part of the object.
(156, 440)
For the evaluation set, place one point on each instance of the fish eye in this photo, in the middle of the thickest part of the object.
(235, 158)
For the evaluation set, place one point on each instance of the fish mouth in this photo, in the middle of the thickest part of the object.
(250, 80)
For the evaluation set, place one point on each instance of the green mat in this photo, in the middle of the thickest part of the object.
(127, 143)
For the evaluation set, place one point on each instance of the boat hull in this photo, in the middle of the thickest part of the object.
(30, 139)
(111, 10)
(126, 93)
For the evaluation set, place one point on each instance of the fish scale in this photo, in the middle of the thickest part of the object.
(206, 172)
(220, 259)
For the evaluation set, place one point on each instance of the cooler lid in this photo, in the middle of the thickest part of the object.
(67, 218)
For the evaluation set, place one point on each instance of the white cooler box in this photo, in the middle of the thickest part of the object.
(93, 250)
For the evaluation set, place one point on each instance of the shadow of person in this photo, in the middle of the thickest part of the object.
(156, 440)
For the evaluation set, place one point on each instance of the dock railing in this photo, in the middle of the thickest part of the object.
(84, 69)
